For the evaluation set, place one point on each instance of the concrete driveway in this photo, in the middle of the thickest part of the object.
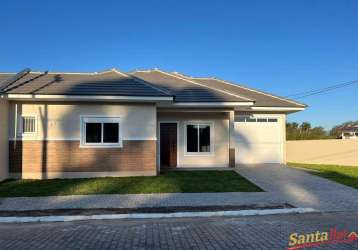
(300, 188)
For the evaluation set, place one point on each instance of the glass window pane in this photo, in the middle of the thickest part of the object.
(93, 132)
(261, 119)
(191, 138)
(204, 138)
(24, 125)
(272, 120)
(28, 124)
(241, 119)
(110, 133)
(249, 119)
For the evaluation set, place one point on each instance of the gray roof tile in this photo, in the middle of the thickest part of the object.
(262, 99)
(107, 83)
(142, 83)
(185, 90)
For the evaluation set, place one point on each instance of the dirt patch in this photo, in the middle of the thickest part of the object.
(54, 212)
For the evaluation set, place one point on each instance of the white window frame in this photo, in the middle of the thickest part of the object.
(102, 120)
(197, 123)
(22, 125)
(256, 118)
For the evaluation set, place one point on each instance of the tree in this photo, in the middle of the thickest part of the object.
(304, 131)
(305, 127)
(294, 125)
(318, 133)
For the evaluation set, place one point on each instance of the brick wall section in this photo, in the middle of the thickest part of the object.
(67, 156)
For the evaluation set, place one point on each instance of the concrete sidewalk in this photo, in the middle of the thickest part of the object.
(137, 201)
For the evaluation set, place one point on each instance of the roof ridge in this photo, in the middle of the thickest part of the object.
(150, 85)
(140, 81)
(71, 73)
(64, 73)
(141, 70)
(251, 89)
(114, 70)
(203, 85)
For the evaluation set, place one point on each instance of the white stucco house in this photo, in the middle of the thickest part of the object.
(349, 132)
(111, 123)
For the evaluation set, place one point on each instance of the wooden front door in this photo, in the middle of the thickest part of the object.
(168, 145)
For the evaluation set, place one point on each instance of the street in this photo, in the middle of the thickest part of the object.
(252, 232)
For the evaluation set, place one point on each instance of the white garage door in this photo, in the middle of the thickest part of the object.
(259, 139)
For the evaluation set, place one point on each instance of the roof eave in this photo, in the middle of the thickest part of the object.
(272, 109)
(260, 92)
(207, 104)
(96, 98)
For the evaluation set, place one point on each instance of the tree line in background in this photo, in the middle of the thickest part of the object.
(305, 131)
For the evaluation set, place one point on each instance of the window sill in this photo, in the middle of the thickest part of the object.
(27, 134)
(199, 154)
(102, 146)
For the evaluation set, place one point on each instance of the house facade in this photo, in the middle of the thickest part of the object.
(73, 125)
(349, 132)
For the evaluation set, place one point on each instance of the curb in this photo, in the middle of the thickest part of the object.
(67, 218)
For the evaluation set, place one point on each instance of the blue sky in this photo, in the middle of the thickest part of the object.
(282, 47)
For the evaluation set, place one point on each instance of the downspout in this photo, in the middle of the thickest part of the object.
(232, 146)
(15, 135)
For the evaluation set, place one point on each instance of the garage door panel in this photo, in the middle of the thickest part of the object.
(258, 153)
(259, 142)
(257, 132)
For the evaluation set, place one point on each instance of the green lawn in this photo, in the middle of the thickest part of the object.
(169, 182)
(347, 175)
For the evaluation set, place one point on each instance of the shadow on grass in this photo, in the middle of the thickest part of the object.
(346, 175)
(169, 182)
(339, 177)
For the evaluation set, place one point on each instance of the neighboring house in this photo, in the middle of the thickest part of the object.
(349, 132)
(66, 125)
